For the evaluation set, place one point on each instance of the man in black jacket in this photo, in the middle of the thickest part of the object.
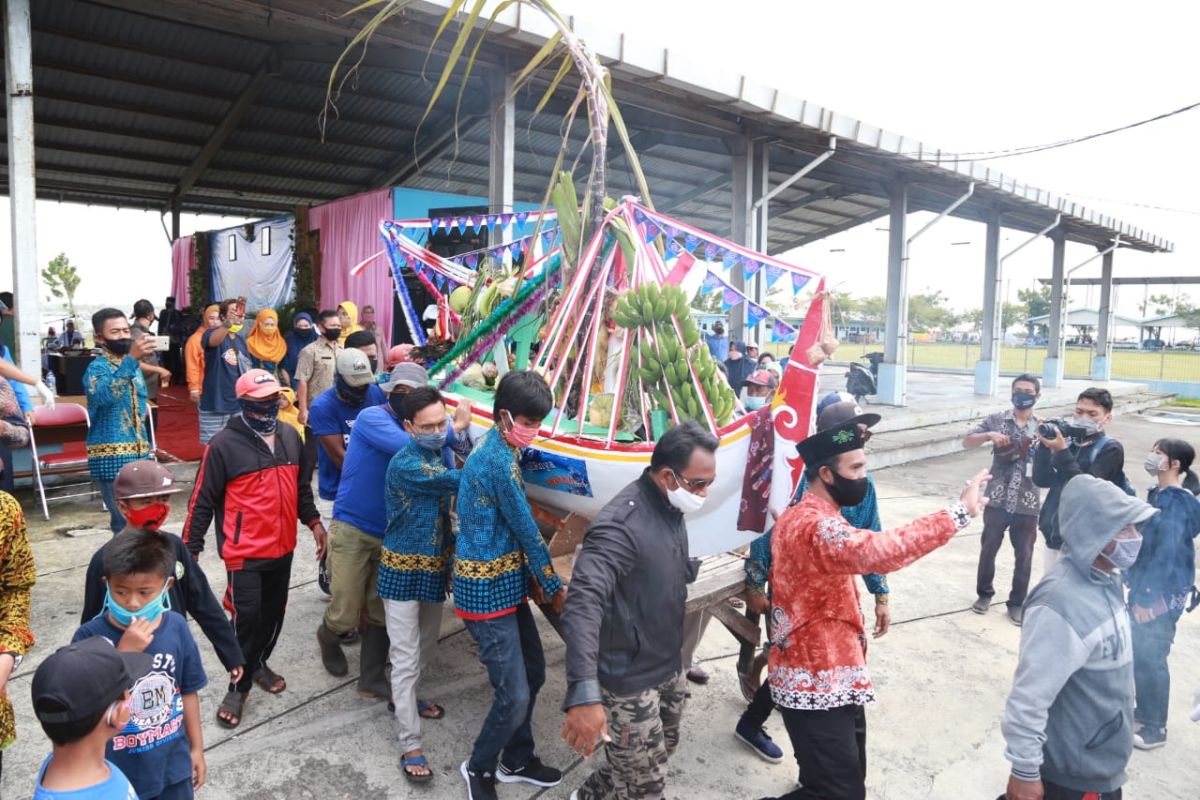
(143, 490)
(248, 486)
(623, 621)
(1058, 459)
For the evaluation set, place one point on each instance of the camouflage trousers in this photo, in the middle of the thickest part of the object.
(644, 729)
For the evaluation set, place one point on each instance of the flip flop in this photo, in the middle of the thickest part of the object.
(232, 704)
(269, 681)
(416, 761)
(428, 710)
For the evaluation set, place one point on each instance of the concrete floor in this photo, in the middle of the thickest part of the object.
(942, 675)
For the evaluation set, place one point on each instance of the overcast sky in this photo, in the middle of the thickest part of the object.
(964, 77)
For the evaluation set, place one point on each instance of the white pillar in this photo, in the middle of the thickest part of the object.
(762, 185)
(18, 70)
(892, 371)
(1056, 348)
(741, 223)
(503, 140)
(987, 369)
(1102, 359)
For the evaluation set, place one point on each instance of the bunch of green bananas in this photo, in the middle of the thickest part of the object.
(668, 368)
(649, 304)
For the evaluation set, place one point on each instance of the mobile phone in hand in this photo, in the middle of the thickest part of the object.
(241, 305)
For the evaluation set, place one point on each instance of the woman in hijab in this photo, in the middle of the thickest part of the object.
(348, 314)
(267, 347)
(303, 334)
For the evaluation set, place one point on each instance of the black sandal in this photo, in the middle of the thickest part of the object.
(232, 705)
(270, 681)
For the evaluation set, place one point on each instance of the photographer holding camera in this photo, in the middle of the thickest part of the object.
(1013, 502)
(1075, 446)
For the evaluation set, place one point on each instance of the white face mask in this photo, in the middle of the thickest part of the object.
(683, 500)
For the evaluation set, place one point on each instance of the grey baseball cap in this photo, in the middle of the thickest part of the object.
(414, 376)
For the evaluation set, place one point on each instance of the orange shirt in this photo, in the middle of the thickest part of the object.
(193, 359)
(818, 654)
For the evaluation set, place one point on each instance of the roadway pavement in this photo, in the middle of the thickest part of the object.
(942, 675)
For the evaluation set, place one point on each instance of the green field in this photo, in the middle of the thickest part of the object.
(1165, 365)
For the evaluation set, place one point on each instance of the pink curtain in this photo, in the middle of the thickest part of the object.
(349, 235)
(183, 255)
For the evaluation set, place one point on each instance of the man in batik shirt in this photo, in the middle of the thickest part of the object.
(817, 664)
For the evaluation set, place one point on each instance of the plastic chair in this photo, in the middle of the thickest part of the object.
(63, 415)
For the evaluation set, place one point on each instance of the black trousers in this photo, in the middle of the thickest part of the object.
(760, 707)
(1056, 792)
(1022, 530)
(831, 749)
(257, 600)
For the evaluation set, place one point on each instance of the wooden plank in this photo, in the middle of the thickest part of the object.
(736, 623)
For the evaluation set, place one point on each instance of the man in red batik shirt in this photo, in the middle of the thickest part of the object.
(818, 674)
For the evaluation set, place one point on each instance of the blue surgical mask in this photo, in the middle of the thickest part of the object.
(755, 403)
(431, 441)
(149, 612)
(1125, 553)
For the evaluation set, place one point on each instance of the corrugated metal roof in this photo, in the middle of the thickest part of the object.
(127, 93)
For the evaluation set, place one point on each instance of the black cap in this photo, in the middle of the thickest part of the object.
(830, 442)
(837, 414)
(84, 678)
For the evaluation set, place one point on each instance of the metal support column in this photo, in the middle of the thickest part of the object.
(895, 340)
(741, 222)
(1102, 359)
(987, 369)
(503, 118)
(18, 72)
(1056, 348)
(174, 220)
(761, 220)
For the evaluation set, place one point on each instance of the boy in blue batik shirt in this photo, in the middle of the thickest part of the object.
(417, 549)
(160, 749)
(498, 551)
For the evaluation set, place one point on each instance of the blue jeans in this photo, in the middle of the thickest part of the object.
(511, 650)
(115, 521)
(1151, 675)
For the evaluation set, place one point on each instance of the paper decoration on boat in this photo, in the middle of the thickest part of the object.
(755, 314)
(711, 282)
(774, 273)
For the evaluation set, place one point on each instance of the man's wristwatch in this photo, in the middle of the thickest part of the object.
(881, 599)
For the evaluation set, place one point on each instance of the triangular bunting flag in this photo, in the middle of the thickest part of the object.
(691, 242)
(472, 260)
(711, 282)
(798, 281)
(710, 251)
(755, 314)
(729, 260)
(461, 224)
(750, 266)
(730, 298)
(782, 332)
(774, 273)
(476, 224)
(674, 248)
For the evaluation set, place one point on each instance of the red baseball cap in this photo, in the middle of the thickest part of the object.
(256, 383)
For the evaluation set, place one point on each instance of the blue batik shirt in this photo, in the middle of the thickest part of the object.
(499, 546)
(864, 516)
(116, 397)
(419, 542)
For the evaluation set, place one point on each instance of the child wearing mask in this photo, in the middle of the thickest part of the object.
(160, 749)
(81, 697)
(143, 490)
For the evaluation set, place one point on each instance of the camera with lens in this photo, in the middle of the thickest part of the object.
(1046, 429)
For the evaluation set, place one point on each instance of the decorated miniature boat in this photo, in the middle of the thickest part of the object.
(610, 326)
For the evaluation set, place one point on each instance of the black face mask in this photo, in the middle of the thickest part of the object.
(846, 492)
(1022, 401)
(354, 395)
(396, 401)
(374, 362)
(332, 334)
(118, 347)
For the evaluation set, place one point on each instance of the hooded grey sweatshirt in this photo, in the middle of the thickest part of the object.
(1069, 716)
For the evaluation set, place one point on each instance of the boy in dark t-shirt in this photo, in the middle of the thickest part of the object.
(160, 749)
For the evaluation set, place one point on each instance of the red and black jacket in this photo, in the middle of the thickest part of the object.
(255, 495)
